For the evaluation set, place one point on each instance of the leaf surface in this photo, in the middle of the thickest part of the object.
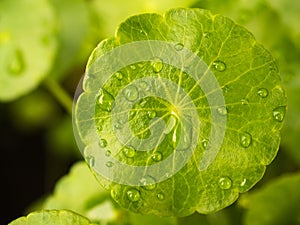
(206, 173)
(57, 217)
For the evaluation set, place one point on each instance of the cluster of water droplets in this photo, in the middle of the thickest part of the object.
(131, 93)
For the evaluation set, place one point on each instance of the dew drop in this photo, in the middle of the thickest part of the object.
(160, 196)
(102, 143)
(225, 183)
(99, 127)
(143, 84)
(106, 100)
(148, 183)
(157, 65)
(113, 193)
(91, 160)
(108, 153)
(119, 76)
(143, 102)
(131, 93)
(226, 89)
(17, 64)
(151, 114)
(170, 124)
(133, 195)
(157, 156)
(263, 92)
(245, 139)
(129, 152)
(244, 181)
(117, 125)
(132, 114)
(222, 110)
(219, 66)
(109, 164)
(206, 34)
(204, 143)
(133, 67)
(279, 113)
(179, 47)
(168, 175)
(244, 101)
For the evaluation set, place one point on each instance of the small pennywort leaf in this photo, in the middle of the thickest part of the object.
(57, 217)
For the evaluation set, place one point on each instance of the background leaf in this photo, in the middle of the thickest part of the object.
(276, 203)
(111, 14)
(27, 46)
(61, 217)
(73, 32)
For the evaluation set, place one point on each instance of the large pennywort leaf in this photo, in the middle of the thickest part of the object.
(180, 112)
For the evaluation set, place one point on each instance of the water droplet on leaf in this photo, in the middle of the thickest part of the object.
(17, 64)
(204, 143)
(119, 75)
(157, 65)
(109, 164)
(108, 153)
(244, 101)
(131, 93)
(170, 124)
(222, 110)
(91, 160)
(148, 183)
(179, 47)
(225, 183)
(129, 152)
(102, 143)
(226, 89)
(279, 113)
(219, 66)
(245, 139)
(99, 127)
(113, 193)
(117, 125)
(106, 100)
(244, 181)
(133, 195)
(157, 156)
(160, 196)
(263, 92)
(151, 114)
(206, 34)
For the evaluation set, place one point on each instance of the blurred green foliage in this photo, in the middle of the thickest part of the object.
(52, 39)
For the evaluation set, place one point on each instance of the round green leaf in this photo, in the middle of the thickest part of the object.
(27, 45)
(180, 112)
(57, 217)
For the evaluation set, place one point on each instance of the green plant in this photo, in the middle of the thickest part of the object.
(207, 141)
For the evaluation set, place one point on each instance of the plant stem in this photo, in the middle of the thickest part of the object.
(60, 94)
